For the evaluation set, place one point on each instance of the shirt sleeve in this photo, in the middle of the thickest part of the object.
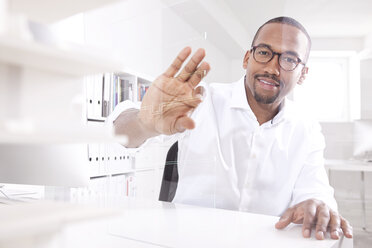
(312, 181)
(125, 105)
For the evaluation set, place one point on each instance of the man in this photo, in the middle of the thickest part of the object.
(244, 146)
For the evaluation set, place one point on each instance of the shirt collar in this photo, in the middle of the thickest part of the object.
(239, 96)
(239, 100)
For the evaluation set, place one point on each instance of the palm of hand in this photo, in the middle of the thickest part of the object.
(166, 101)
(170, 99)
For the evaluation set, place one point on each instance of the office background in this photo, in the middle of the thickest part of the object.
(146, 35)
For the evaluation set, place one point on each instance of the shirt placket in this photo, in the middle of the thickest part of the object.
(253, 160)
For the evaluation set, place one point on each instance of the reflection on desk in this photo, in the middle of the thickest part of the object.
(174, 225)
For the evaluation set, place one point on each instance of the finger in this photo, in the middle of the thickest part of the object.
(346, 228)
(285, 219)
(298, 217)
(191, 66)
(199, 74)
(177, 63)
(190, 103)
(309, 219)
(323, 218)
(334, 225)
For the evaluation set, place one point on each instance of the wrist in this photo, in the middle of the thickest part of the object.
(147, 126)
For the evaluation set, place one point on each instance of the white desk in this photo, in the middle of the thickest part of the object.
(356, 166)
(348, 165)
(148, 224)
(160, 224)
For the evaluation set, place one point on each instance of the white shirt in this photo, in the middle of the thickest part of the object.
(229, 161)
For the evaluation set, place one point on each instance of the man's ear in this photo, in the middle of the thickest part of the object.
(246, 57)
(304, 71)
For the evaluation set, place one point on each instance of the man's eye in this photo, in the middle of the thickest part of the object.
(264, 53)
(290, 60)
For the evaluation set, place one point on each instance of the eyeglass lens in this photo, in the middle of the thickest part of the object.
(287, 61)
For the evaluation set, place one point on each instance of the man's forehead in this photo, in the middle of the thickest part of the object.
(283, 37)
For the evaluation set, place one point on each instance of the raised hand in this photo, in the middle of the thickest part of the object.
(172, 97)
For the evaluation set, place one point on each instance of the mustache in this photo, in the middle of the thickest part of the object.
(273, 77)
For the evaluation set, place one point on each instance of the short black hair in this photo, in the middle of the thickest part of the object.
(289, 21)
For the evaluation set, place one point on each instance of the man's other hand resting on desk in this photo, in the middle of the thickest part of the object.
(314, 213)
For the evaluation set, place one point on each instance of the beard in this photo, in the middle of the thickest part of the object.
(266, 99)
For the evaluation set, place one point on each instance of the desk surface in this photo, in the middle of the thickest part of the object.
(147, 224)
(173, 225)
(348, 165)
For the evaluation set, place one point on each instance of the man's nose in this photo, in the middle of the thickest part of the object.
(273, 67)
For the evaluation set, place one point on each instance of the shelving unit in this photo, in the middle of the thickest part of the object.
(42, 86)
(44, 130)
(60, 58)
(104, 92)
(42, 105)
(60, 95)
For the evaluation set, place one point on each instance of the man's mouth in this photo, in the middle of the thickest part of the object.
(268, 81)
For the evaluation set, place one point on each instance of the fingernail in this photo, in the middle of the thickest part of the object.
(349, 233)
(180, 128)
(320, 235)
(307, 233)
(335, 233)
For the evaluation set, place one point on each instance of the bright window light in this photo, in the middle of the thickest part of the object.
(330, 92)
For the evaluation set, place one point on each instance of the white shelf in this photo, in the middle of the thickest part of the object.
(47, 11)
(124, 171)
(67, 135)
(64, 60)
(44, 218)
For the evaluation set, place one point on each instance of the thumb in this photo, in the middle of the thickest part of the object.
(183, 123)
(285, 219)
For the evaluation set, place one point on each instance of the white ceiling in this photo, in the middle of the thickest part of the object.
(231, 24)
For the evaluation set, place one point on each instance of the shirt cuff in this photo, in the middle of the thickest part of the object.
(125, 105)
(120, 108)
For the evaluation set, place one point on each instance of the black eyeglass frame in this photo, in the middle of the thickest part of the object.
(253, 49)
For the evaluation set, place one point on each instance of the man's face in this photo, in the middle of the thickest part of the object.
(269, 83)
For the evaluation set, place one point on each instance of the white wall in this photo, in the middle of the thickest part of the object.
(339, 140)
(366, 88)
(237, 70)
(338, 44)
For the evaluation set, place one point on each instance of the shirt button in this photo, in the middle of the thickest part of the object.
(253, 155)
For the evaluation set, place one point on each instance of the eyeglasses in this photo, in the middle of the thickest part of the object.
(287, 61)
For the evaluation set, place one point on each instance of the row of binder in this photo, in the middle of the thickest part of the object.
(104, 188)
(105, 91)
(95, 98)
(109, 159)
(142, 89)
